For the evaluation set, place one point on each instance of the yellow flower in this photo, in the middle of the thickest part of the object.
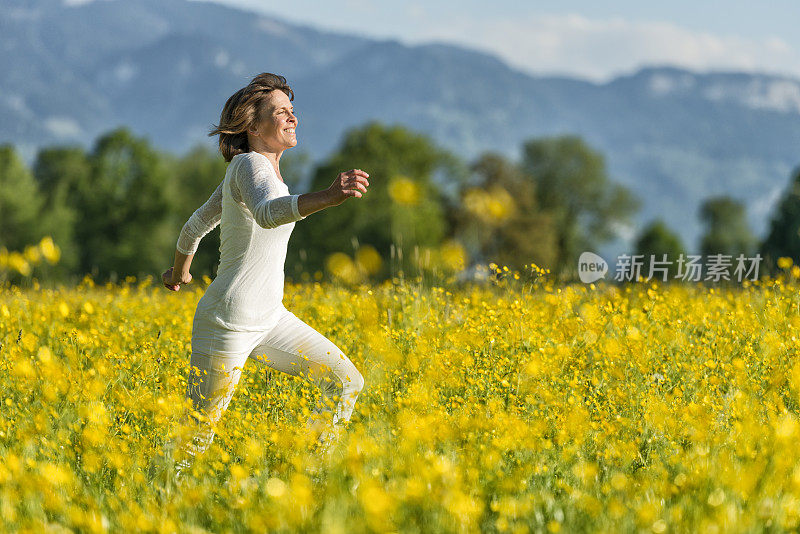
(453, 255)
(553, 526)
(275, 487)
(619, 481)
(17, 262)
(32, 254)
(585, 471)
(44, 355)
(375, 500)
(56, 475)
(368, 259)
(28, 341)
(716, 497)
(494, 206)
(786, 427)
(403, 190)
(24, 369)
(238, 472)
(342, 267)
(49, 250)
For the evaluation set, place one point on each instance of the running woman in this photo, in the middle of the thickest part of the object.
(241, 315)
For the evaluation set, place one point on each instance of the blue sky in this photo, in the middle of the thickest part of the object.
(588, 39)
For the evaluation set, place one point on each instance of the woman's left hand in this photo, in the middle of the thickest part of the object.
(173, 282)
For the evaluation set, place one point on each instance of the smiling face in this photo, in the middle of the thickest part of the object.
(276, 131)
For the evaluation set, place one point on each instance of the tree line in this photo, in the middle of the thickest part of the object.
(116, 210)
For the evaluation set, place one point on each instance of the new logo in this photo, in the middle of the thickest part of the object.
(591, 267)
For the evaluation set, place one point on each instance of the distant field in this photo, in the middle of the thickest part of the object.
(504, 408)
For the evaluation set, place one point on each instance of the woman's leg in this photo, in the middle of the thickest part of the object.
(294, 347)
(218, 357)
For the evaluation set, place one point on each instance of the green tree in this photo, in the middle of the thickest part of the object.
(656, 240)
(499, 220)
(402, 207)
(127, 222)
(783, 236)
(726, 229)
(572, 184)
(20, 202)
(62, 172)
(296, 169)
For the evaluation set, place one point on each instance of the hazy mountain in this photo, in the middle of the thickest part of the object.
(166, 67)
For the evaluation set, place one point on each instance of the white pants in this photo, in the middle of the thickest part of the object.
(291, 346)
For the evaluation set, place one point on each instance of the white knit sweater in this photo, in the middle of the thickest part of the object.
(256, 215)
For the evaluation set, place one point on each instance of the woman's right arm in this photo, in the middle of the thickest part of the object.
(352, 183)
(203, 220)
(270, 207)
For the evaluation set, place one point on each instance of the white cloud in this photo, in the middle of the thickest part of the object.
(602, 48)
(416, 11)
(64, 127)
(221, 58)
(360, 5)
(273, 27)
(125, 71)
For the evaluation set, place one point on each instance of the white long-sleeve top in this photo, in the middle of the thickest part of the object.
(256, 214)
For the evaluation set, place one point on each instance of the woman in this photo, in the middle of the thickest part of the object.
(241, 315)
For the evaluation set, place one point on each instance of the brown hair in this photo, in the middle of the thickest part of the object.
(243, 109)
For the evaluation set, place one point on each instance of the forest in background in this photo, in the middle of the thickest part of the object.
(116, 211)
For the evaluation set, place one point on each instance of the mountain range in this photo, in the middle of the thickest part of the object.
(165, 68)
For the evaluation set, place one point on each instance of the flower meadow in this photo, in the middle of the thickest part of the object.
(512, 405)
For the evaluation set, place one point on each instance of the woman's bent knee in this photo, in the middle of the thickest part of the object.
(357, 382)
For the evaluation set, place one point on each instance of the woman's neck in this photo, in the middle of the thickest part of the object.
(273, 157)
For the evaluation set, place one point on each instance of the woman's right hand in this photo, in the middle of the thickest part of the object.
(173, 282)
(352, 183)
